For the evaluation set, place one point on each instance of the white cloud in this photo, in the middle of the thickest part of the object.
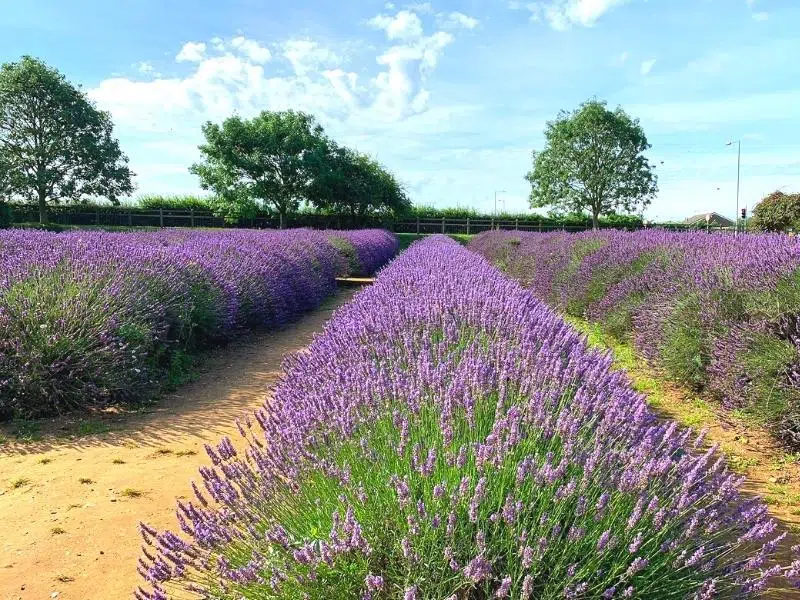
(389, 6)
(647, 66)
(562, 14)
(191, 52)
(144, 67)
(400, 86)
(420, 7)
(760, 16)
(458, 19)
(251, 49)
(405, 25)
(622, 58)
(385, 109)
(307, 56)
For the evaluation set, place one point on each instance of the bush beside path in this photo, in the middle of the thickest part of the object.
(69, 510)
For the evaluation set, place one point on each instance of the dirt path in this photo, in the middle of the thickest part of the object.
(69, 510)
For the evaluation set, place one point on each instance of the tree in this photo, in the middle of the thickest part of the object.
(347, 181)
(266, 159)
(777, 212)
(593, 160)
(54, 144)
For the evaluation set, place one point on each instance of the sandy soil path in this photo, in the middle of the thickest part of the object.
(69, 509)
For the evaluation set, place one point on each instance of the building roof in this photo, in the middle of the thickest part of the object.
(716, 219)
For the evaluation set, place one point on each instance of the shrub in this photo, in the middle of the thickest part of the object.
(6, 216)
(697, 306)
(371, 248)
(443, 439)
(185, 202)
(95, 318)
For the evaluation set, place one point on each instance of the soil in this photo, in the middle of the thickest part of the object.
(70, 508)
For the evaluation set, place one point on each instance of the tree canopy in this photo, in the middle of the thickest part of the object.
(268, 158)
(54, 143)
(347, 181)
(777, 212)
(279, 159)
(594, 161)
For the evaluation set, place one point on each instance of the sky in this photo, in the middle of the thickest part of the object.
(451, 95)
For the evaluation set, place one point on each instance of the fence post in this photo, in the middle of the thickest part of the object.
(191, 217)
(492, 222)
(442, 224)
(467, 225)
(417, 225)
(516, 224)
(130, 217)
(97, 215)
(160, 217)
(540, 227)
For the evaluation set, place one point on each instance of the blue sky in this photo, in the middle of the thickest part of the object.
(450, 95)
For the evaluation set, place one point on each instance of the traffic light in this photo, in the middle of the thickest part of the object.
(744, 213)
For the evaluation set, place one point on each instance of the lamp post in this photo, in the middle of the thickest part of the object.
(495, 199)
(738, 173)
(708, 221)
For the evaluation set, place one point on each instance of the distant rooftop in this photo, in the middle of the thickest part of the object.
(714, 219)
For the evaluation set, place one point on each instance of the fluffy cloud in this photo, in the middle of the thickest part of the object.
(229, 76)
(405, 25)
(251, 49)
(191, 52)
(562, 14)
(400, 86)
(457, 19)
(307, 56)
(158, 118)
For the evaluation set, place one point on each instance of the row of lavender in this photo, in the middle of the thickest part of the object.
(444, 439)
(718, 313)
(93, 318)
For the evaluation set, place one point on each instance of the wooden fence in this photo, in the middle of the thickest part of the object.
(142, 217)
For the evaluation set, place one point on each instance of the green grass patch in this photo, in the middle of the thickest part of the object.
(406, 239)
(85, 428)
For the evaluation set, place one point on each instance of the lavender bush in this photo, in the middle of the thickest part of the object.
(367, 249)
(716, 312)
(448, 436)
(90, 317)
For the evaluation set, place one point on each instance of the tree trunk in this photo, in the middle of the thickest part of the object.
(42, 207)
(595, 219)
(280, 222)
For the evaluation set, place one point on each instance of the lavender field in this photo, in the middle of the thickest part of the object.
(716, 313)
(92, 318)
(449, 436)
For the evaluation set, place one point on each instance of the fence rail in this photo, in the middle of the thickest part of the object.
(139, 217)
(472, 226)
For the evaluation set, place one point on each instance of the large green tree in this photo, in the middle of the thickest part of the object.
(55, 145)
(594, 161)
(347, 181)
(268, 159)
(777, 212)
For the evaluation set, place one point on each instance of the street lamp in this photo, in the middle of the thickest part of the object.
(495, 199)
(708, 221)
(738, 172)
